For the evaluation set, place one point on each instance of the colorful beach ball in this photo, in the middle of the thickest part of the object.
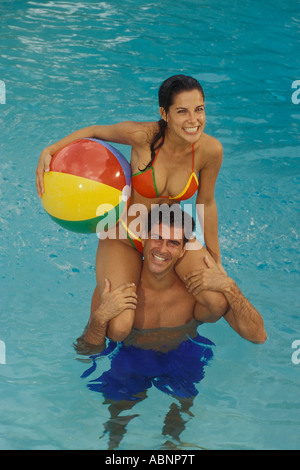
(87, 187)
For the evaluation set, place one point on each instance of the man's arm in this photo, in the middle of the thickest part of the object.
(96, 329)
(112, 304)
(241, 315)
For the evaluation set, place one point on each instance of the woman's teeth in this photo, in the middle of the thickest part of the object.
(191, 130)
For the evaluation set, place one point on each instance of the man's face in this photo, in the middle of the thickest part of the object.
(163, 248)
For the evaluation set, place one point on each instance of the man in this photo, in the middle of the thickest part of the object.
(162, 300)
(164, 349)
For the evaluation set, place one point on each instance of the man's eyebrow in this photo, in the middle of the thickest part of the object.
(160, 237)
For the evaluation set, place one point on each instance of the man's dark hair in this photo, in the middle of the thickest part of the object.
(172, 216)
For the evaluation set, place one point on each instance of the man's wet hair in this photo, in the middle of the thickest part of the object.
(171, 216)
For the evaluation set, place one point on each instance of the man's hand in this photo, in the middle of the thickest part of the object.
(206, 279)
(115, 302)
(112, 304)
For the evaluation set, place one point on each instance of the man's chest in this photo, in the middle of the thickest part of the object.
(168, 309)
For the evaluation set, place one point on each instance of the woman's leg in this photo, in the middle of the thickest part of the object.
(120, 263)
(213, 304)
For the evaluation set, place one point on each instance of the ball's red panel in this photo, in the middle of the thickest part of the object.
(89, 159)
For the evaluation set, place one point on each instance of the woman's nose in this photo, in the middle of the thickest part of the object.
(192, 117)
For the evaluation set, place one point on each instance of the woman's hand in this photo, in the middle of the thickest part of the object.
(43, 165)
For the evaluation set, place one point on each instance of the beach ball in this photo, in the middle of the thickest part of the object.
(87, 187)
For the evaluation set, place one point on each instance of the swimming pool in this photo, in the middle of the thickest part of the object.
(66, 65)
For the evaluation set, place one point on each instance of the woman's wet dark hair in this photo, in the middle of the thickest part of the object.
(166, 94)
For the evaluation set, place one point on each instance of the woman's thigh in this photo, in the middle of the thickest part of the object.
(193, 259)
(118, 262)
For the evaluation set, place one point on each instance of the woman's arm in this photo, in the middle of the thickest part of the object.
(127, 133)
(206, 197)
(210, 230)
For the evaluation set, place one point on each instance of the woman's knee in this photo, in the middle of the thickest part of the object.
(215, 303)
(120, 327)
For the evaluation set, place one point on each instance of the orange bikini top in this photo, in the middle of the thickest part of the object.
(144, 183)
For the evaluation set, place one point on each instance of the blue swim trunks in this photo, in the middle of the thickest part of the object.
(134, 370)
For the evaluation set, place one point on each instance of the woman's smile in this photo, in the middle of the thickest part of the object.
(191, 130)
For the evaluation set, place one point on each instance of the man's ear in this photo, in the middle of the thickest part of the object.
(182, 252)
(163, 114)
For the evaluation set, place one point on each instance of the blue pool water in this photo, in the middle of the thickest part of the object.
(66, 65)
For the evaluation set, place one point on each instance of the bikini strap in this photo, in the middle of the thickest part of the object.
(193, 156)
(155, 156)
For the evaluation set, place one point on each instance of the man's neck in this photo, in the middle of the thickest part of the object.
(158, 282)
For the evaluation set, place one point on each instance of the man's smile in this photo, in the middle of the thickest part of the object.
(159, 257)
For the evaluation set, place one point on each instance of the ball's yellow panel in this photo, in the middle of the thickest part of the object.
(75, 198)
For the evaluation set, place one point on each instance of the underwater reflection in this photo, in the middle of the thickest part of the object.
(174, 368)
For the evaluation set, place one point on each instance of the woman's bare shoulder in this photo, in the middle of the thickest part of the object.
(211, 149)
(211, 143)
(142, 133)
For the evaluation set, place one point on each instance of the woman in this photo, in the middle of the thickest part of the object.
(166, 158)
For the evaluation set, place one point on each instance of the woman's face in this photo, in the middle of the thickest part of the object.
(186, 116)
